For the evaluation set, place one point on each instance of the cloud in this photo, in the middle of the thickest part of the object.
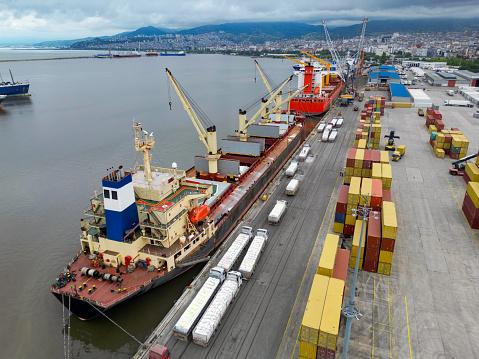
(54, 19)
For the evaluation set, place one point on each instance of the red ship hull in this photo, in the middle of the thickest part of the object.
(315, 106)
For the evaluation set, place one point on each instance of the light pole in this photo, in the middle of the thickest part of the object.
(351, 311)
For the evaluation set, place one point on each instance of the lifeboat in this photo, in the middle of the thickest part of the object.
(199, 213)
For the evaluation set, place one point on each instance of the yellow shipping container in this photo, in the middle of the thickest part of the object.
(357, 237)
(350, 220)
(366, 173)
(440, 138)
(463, 150)
(357, 172)
(456, 141)
(349, 171)
(389, 220)
(440, 153)
(472, 171)
(329, 327)
(314, 310)
(439, 145)
(354, 190)
(473, 192)
(462, 155)
(447, 145)
(307, 350)
(366, 187)
(352, 262)
(432, 128)
(402, 104)
(347, 179)
(464, 142)
(338, 227)
(356, 142)
(477, 161)
(376, 171)
(358, 161)
(328, 255)
(386, 257)
(349, 208)
(386, 175)
(384, 268)
(384, 157)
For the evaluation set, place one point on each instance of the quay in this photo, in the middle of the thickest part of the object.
(424, 309)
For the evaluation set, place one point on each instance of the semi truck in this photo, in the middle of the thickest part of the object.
(325, 136)
(253, 254)
(209, 322)
(292, 187)
(321, 126)
(463, 103)
(230, 257)
(193, 312)
(304, 152)
(277, 212)
(332, 135)
(292, 168)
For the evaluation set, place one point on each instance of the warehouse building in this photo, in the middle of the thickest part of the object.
(383, 75)
(399, 93)
(420, 98)
(446, 79)
(471, 77)
(425, 64)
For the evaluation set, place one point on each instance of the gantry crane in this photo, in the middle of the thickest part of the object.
(333, 51)
(208, 136)
(244, 123)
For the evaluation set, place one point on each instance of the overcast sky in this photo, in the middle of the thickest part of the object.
(37, 20)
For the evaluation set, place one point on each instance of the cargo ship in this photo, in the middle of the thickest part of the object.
(13, 88)
(324, 82)
(151, 53)
(151, 224)
(179, 53)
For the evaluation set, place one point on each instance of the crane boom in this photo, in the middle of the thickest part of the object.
(270, 90)
(299, 62)
(208, 136)
(332, 50)
(286, 100)
(318, 59)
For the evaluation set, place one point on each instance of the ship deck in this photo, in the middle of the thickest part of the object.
(424, 309)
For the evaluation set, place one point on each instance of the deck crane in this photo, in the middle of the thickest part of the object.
(208, 136)
(266, 82)
(333, 51)
(244, 123)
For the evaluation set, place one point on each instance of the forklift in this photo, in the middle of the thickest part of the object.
(390, 146)
(459, 167)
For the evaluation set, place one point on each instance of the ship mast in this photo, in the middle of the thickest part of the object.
(144, 143)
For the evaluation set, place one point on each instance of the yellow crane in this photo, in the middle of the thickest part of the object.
(244, 123)
(208, 136)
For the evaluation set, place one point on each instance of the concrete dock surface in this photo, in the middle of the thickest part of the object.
(424, 309)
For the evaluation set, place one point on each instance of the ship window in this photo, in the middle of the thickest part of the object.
(114, 195)
(187, 247)
(106, 193)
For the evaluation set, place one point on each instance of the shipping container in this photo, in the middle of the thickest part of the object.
(386, 175)
(384, 157)
(277, 212)
(389, 220)
(376, 192)
(387, 244)
(307, 350)
(328, 255)
(329, 327)
(372, 254)
(352, 262)
(387, 195)
(354, 190)
(386, 257)
(472, 171)
(342, 257)
(370, 266)
(366, 190)
(292, 187)
(292, 168)
(342, 203)
(314, 310)
(376, 171)
(358, 161)
(384, 268)
(356, 238)
(348, 229)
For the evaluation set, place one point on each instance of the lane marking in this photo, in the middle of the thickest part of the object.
(408, 333)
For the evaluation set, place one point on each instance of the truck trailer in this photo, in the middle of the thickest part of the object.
(253, 254)
(292, 168)
(304, 152)
(192, 314)
(277, 212)
(463, 103)
(231, 256)
(292, 187)
(209, 322)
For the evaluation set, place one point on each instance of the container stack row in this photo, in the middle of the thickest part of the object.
(321, 319)
(369, 127)
(470, 205)
(360, 163)
(472, 171)
(445, 142)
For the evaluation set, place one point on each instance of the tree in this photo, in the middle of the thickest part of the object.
(383, 58)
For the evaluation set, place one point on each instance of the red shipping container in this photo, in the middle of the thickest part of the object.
(368, 159)
(466, 178)
(372, 254)
(359, 135)
(342, 258)
(439, 125)
(447, 151)
(377, 209)
(351, 157)
(473, 222)
(429, 110)
(387, 244)
(348, 229)
(382, 111)
(437, 114)
(454, 156)
(370, 266)
(376, 156)
(377, 193)
(321, 354)
(330, 354)
(342, 203)
(363, 116)
(448, 138)
(454, 129)
(361, 125)
(374, 233)
(470, 206)
(432, 142)
(387, 195)
(340, 272)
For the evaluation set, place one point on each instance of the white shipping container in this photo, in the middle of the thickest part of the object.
(207, 325)
(277, 212)
(304, 152)
(334, 121)
(251, 257)
(291, 170)
(185, 324)
(230, 257)
(325, 136)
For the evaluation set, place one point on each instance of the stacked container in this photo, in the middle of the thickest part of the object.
(356, 250)
(389, 231)
(341, 265)
(470, 206)
(341, 208)
(360, 162)
(328, 255)
(472, 171)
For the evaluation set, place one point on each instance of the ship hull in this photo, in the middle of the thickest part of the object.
(14, 90)
(311, 106)
(89, 309)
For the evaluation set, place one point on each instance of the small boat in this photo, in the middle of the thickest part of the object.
(14, 88)
(151, 53)
(180, 53)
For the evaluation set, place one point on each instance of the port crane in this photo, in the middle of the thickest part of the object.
(208, 136)
(244, 123)
(360, 47)
(333, 51)
(459, 167)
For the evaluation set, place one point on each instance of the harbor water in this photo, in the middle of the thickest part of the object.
(55, 147)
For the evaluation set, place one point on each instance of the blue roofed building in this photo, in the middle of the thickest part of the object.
(399, 93)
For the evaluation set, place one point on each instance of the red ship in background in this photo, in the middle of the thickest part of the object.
(324, 82)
